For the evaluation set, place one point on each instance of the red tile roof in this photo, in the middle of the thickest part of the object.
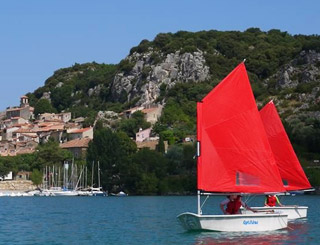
(77, 131)
(76, 143)
(148, 110)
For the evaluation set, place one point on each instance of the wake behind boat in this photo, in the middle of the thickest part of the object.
(234, 156)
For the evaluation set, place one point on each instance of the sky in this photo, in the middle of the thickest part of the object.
(38, 37)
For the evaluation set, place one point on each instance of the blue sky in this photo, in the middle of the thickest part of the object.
(39, 37)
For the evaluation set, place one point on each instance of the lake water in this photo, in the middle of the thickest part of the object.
(134, 220)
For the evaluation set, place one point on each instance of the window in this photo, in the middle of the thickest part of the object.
(247, 179)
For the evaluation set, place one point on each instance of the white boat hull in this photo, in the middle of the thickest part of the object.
(237, 222)
(293, 212)
(65, 193)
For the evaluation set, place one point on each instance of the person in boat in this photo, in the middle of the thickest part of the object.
(233, 204)
(272, 201)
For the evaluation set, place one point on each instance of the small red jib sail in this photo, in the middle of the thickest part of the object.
(291, 172)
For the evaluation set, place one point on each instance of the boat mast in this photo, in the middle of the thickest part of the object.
(199, 207)
(92, 174)
(198, 192)
(99, 174)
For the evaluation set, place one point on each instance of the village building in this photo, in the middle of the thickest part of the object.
(152, 144)
(63, 117)
(25, 134)
(17, 148)
(47, 130)
(80, 133)
(23, 175)
(25, 111)
(143, 135)
(78, 147)
(7, 133)
(152, 114)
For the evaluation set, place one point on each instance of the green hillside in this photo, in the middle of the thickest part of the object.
(281, 66)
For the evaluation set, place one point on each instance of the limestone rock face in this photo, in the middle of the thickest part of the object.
(94, 91)
(299, 82)
(143, 82)
(108, 118)
(304, 69)
(47, 96)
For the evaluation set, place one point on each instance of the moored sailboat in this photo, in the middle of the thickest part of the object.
(234, 156)
(291, 172)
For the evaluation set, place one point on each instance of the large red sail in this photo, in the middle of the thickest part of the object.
(235, 155)
(289, 166)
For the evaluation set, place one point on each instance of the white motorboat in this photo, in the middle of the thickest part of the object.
(65, 193)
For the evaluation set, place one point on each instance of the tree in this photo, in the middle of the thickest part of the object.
(42, 106)
(113, 151)
(160, 146)
(146, 171)
(50, 154)
(5, 166)
(131, 126)
(36, 177)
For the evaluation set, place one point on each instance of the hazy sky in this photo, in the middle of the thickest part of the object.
(39, 37)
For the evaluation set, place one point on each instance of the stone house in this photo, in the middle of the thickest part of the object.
(7, 133)
(22, 175)
(78, 147)
(143, 135)
(63, 117)
(25, 111)
(47, 130)
(80, 133)
(153, 114)
(151, 144)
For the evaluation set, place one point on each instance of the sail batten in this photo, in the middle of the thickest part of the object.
(289, 166)
(235, 152)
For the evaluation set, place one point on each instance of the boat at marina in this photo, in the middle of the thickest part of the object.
(291, 172)
(233, 157)
(119, 194)
(65, 193)
(96, 191)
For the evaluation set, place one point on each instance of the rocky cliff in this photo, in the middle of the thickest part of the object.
(299, 85)
(143, 83)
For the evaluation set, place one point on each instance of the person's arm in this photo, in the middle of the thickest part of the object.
(248, 208)
(265, 201)
(222, 208)
(278, 201)
(224, 202)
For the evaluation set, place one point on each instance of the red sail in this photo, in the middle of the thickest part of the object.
(289, 166)
(235, 155)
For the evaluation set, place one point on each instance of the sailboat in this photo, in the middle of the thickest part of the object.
(291, 172)
(233, 157)
(96, 191)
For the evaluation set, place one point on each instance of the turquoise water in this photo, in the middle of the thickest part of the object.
(134, 220)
